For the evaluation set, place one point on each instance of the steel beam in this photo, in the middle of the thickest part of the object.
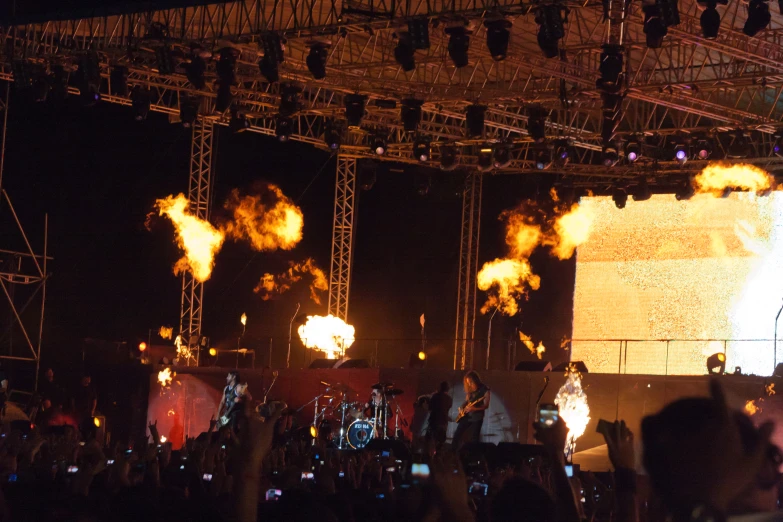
(342, 237)
(468, 268)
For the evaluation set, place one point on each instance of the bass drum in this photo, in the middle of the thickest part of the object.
(359, 433)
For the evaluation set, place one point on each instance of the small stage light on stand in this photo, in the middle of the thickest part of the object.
(716, 364)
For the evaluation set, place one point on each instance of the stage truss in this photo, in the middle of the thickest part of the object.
(689, 86)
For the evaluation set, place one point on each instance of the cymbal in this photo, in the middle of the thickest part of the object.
(382, 385)
(343, 388)
(394, 392)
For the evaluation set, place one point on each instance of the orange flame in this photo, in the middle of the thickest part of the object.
(716, 178)
(571, 230)
(572, 402)
(540, 349)
(166, 332)
(770, 389)
(329, 334)
(751, 408)
(165, 377)
(269, 221)
(199, 240)
(509, 278)
(271, 285)
(530, 345)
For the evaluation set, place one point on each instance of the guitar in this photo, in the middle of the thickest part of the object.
(464, 407)
(225, 419)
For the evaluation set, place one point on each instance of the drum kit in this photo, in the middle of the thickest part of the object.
(359, 422)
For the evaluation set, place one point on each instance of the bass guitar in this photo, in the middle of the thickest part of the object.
(464, 407)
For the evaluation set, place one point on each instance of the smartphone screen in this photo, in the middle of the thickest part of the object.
(207, 477)
(391, 469)
(479, 489)
(384, 454)
(73, 469)
(12, 477)
(307, 475)
(110, 462)
(569, 470)
(341, 474)
(273, 494)
(419, 473)
(548, 414)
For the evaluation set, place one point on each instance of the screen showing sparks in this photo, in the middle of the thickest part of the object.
(679, 281)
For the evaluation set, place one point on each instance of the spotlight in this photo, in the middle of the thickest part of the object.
(501, 155)
(142, 346)
(90, 79)
(419, 29)
(716, 364)
(140, 101)
(421, 150)
(474, 120)
(739, 148)
(354, 109)
(417, 360)
(448, 157)
(97, 422)
(410, 113)
(224, 97)
(543, 159)
(332, 136)
(681, 153)
(562, 152)
(164, 60)
(316, 61)
(550, 29)
(379, 145)
(610, 157)
(758, 17)
(620, 197)
(195, 72)
(633, 151)
(268, 69)
(313, 432)
(498, 37)
(654, 26)
(536, 124)
(642, 190)
(226, 66)
(213, 352)
(703, 148)
(710, 20)
(403, 53)
(284, 127)
(485, 161)
(289, 99)
(188, 110)
(238, 123)
(459, 44)
(611, 66)
(685, 190)
(118, 81)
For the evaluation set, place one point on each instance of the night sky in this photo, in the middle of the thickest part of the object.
(97, 173)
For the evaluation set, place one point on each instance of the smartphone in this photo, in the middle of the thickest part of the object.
(307, 475)
(12, 477)
(273, 494)
(419, 473)
(380, 495)
(605, 428)
(478, 489)
(80, 443)
(128, 451)
(207, 477)
(384, 454)
(182, 467)
(391, 469)
(548, 414)
(110, 462)
(341, 474)
(569, 470)
(223, 446)
(73, 469)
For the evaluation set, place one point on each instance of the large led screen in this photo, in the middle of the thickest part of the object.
(662, 284)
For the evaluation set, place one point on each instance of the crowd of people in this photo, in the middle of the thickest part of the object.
(703, 462)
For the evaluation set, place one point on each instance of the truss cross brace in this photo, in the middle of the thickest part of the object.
(342, 237)
(468, 268)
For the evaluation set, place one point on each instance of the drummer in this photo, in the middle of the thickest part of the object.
(374, 404)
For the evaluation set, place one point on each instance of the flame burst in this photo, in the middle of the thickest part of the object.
(508, 279)
(770, 389)
(530, 345)
(572, 402)
(165, 377)
(329, 334)
(271, 285)
(751, 408)
(163, 439)
(165, 332)
(268, 222)
(198, 239)
(716, 178)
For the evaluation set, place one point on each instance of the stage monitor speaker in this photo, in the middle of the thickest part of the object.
(580, 366)
(533, 366)
(399, 447)
(320, 364)
(515, 453)
(349, 364)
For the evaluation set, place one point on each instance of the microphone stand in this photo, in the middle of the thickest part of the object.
(489, 335)
(290, 327)
(775, 340)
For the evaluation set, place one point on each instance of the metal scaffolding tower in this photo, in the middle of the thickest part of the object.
(342, 237)
(468, 268)
(199, 197)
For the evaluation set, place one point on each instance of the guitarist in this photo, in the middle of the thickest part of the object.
(228, 404)
(477, 396)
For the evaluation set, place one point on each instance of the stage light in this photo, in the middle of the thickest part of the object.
(313, 432)
(284, 127)
(226, 66)
(164, 60)
(142, 346)
(459, 44)
(654, 27)
(410, 113)
(642, 190)
(680, 151)
(758, 17)
(421, 150)
(498, 37)
(22, 74)
(97, 422)
(448, 157)
(316, 61)
(118, 81)
(610, 157)
(268, 69)
(379, 146)
(403, 53)
(620, 197)
(238, 122)
(368, 174)
(332, 136)
(737, 370)
(188, 110)
(41, 87)
(562, 152)
(611, 66)
(710, 20)
(140, 102)
(543, 159)
(194, 71)
(485, 160)
(90, 79)
(423, 184)
(633, 151)
(419, 29)
(224, 97)
(703, 148)
(716, 364)
(739, 148)
(536, 124)
(289, 99)
(550, 29)
(354, 109)
(417, 360)
(501, 155)
(213, 352)
(474, 120)
(685, 191)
